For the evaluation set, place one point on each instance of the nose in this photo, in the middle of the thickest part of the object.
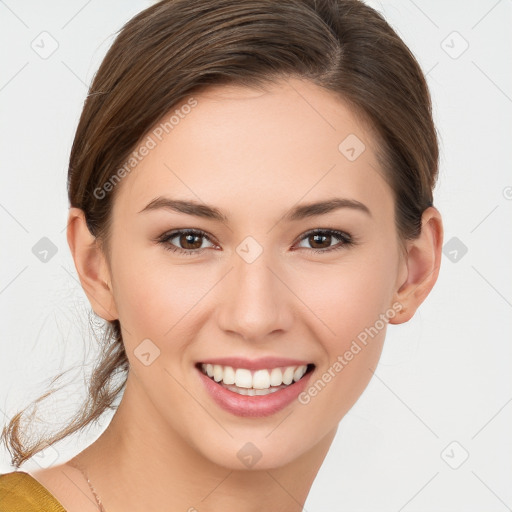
(255, 302)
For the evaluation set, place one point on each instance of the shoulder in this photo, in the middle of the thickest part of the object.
(19, 491)
(60, 488)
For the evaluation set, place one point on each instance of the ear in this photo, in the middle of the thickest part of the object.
(421, 266)
(91, 265)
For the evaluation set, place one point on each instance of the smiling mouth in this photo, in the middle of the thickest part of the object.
(255, 382)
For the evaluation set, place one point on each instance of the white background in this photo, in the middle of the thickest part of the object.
(444, 377)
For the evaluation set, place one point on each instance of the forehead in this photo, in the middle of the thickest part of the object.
(256, 147)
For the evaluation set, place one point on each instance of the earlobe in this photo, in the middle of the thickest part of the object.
(90, 265)
(423, 262)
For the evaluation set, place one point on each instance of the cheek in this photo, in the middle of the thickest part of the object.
(151, 297)
(355, 304)
(349, 297)
(352, 302)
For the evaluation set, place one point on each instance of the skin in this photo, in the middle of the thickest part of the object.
(254, 155)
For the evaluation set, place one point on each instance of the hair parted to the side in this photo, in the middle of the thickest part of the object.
(178, 47)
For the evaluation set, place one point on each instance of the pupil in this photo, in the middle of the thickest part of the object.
(189, 239)
(317, 236)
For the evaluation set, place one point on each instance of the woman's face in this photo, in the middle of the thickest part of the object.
(259, 287)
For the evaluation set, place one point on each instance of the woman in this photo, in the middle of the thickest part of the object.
(250, 192)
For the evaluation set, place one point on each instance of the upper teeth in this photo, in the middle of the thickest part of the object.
(259, 379)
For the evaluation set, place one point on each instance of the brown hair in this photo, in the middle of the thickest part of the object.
(178, 47)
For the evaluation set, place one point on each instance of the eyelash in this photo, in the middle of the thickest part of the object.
(346, 238)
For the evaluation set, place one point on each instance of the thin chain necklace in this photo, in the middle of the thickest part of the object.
(96, 497)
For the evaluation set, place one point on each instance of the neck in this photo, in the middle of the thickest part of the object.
(140, 463)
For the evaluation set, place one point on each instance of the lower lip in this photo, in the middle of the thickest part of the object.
(253, 406)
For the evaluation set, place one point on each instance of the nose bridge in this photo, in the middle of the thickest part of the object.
(254, 304)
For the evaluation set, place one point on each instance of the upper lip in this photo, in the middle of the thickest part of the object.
(255, 364)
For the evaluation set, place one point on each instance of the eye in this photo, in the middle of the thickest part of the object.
(190, 241)
(321, 239)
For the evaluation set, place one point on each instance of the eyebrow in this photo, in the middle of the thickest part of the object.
(298, 213)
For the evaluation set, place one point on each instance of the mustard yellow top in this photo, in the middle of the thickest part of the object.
(21, 492)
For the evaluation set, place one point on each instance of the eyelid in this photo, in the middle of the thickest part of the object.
(346, 238)
(168, 235)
